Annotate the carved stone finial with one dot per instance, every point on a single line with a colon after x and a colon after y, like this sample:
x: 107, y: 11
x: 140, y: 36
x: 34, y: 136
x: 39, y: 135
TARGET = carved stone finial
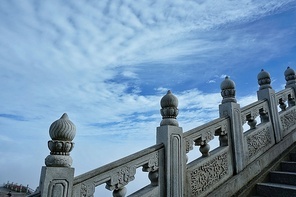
x: 169, y: 109
x: 264, y: 80
x: 290, y: 76
x: 62, y: 132
x: 228, y: 90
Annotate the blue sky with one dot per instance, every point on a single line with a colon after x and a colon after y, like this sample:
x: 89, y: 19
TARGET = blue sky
x: 108, y: 63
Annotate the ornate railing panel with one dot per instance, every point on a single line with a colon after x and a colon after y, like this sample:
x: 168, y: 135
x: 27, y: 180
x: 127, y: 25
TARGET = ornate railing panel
x: 288, y: 120
x: 258, y: 141
x: 259, y: 137
x: 119, y: 173
x: 202, y: 135
x: 236, y: 157
x: 206, y: 173
x: 250, y: 112
x: 285, y: 96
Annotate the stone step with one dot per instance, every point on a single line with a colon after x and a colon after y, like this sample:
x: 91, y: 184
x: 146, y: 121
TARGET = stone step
x: 288, y: 178
x: 288, y: 166
x: 293, y: 157
x: 275, y: 190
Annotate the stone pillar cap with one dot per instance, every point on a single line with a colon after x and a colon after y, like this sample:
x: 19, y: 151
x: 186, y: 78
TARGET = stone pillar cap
x: 227, y: 83
x: 62, y: 129
x: 169, y: 109
x: 228, y: 90
x: 264, y: 80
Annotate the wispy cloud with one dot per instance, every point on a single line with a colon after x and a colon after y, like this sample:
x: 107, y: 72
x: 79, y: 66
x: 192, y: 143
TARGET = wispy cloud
x: 13, y: 117
x: 108, y: 63
x: 4, y: 138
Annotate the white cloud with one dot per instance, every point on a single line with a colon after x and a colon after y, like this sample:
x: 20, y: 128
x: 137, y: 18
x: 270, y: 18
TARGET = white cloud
x: 5, y: 138
x: 247, y: 100
x: 95, y: 61
x: 223, y: 76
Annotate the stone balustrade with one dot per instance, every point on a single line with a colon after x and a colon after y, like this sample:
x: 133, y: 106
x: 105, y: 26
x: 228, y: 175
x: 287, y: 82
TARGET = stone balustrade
x: 119, y: 173
x: 240, y: 156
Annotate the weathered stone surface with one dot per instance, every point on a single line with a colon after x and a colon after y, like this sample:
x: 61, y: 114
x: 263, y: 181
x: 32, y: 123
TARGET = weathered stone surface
x: 239, y: 158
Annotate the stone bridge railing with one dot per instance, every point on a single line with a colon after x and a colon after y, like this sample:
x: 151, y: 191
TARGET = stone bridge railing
x: 223, y: 171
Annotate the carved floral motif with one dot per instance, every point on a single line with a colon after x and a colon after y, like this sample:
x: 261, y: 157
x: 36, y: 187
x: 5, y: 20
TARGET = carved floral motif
x: 121, y: 178
x: 152, y: 164
x: 205, y: 138
x: 258, y: 140
x: 208, y: 136
x: 189, y: 144
x: 288, y: 119
x: 208, y: 174
x: 83, y: 190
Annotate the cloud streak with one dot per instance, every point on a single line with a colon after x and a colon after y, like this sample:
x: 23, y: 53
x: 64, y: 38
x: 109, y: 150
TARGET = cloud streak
x: 108, y: 63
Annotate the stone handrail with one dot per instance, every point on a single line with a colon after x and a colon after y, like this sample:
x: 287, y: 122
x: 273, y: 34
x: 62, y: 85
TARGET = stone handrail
x: 287, y: 113
x: 119, y: 173
x: 283, y: 96
x: 225, y: 169
x: 197, y: 178
x: 202, y: 135
x: 250, y: 112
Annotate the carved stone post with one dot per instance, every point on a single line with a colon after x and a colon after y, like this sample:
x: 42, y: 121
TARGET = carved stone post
x: 57, y: 176
x: 290, y: 78
x: 266, y: 92
x: 169, y: 133
x: 291, y: 83
x: 229, y: 107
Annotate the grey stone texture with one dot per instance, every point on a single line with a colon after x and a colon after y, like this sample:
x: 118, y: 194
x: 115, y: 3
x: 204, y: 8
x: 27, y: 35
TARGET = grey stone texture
x: 232, y: 168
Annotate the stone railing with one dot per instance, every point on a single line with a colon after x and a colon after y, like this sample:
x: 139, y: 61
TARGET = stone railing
x: 222, y: 171
x: 119, y: 173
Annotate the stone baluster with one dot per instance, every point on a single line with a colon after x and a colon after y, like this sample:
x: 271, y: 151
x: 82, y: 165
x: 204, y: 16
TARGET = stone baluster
x: 171, y: 175
x: 121, y: 192
x: 223, y: 140
x: 231, y: 108
x: 282, y: 104
x: 263, y: 116
x: 291, y: 101
x: 266, y: 92
x: 290, y: 83
x: 57, y: 176
x: 252, y: 122
x: 152, y: 168
x: 153, y: 177
x: 205, y: 149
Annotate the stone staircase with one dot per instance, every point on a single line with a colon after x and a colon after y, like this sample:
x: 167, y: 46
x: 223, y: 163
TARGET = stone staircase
x: 281, y: 182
